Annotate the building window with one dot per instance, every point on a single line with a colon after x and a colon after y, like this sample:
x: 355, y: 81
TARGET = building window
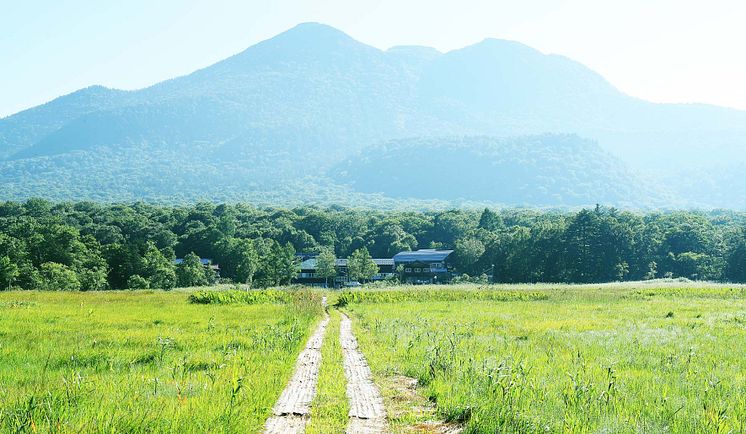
x: 407, y: 270
x: 416, y: 270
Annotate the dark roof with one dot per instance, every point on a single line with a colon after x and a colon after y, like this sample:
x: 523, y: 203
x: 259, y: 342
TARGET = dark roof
x: 310, y: 264
x: 422, y: 255
x: 204, y: 261
x: 305, y: 255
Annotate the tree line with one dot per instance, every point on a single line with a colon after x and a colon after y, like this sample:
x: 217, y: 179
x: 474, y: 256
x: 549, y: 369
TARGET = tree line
x: 92, y: 246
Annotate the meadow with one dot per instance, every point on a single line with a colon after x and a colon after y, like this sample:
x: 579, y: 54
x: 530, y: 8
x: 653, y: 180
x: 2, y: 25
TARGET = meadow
x: 145, y: 361
x: 595, y: 358
x: 615, y: 358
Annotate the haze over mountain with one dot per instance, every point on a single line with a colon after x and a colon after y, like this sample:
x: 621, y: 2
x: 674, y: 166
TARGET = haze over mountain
x: 276, y: 123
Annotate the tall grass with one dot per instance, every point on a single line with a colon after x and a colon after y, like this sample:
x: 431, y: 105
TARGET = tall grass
x: 433, y: 294
x: 141, y: 361
x: 303, y: 296
x: 599, y: 362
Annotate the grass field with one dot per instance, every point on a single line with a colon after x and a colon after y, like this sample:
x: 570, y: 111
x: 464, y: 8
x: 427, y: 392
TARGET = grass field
x: 608, y: 358
x: 661, y: 357
x: 144, y: 361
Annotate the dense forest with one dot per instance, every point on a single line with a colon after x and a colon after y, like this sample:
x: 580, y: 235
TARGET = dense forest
x: 88, y: 246
x: 540, y: 170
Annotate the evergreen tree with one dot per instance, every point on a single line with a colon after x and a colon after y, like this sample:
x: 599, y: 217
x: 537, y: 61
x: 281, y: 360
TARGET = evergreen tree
x: 490, y: 220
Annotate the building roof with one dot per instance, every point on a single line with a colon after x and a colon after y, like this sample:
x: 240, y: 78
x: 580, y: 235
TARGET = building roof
x: 310, y: 264
x: 422, y: 255
x: 204, y: 261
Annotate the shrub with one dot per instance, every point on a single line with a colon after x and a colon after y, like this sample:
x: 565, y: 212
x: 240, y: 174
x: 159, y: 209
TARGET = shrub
x: 137, y: 282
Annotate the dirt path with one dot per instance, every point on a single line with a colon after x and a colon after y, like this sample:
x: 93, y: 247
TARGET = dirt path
x: 292, y: 410
x: 367, y: 413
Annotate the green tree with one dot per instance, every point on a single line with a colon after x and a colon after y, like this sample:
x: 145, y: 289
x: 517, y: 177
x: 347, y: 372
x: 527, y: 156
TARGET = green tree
x: 326, y: 265
x: 490, y: 220
x: 238, y: 259
x: 93, y: 278
x: 392, y: 239
x: 191, y: 272
x: 277, y: 263
x: 736, y: 266
x: 158, y: 269
x: 468, y: 252
x: 58, y: 277
x: 8, y: 272
x: 360, y: 265
x: 286, y: 266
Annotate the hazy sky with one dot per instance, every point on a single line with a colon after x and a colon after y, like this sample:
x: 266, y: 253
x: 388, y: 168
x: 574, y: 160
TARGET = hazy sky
x: 660, y: 50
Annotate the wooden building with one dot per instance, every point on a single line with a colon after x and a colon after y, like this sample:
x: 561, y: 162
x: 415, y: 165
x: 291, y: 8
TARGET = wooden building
x: 308, y: 275
x: 425, y: 266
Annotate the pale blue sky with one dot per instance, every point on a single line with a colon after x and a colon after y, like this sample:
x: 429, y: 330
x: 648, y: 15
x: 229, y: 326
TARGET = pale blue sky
x: 661, y: 50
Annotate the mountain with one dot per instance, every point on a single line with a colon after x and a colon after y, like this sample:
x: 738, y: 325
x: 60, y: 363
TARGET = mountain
x: 532, y: 170
x: 277, y: 118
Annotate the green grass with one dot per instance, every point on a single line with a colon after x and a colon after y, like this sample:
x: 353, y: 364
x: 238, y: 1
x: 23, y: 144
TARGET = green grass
x: 144, y: 361
x: 436, y: 293
x: 601, y: 358
x: 250, y: 296
x: 330, y: 407
x: 661, y: 356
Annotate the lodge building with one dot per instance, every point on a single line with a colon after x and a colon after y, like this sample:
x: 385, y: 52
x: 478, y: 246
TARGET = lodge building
x: 425, y: 266
x: 418, y: 267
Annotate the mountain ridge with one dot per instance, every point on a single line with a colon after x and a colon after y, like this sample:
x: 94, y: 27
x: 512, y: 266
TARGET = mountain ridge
x: 314, y: 91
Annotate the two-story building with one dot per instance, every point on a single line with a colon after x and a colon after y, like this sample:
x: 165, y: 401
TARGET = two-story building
x: 425, y: 266
x: 309, y: 276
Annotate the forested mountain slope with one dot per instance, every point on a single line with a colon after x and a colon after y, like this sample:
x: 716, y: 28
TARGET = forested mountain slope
x: 288, y: 109
x: 531, y: 170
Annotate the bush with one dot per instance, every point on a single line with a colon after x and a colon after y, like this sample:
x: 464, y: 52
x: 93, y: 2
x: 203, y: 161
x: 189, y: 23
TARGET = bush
x: 137, y: 282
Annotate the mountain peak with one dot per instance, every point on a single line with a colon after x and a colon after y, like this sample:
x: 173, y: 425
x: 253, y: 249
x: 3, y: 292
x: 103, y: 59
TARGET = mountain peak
x: 313, y: 26
x: 312, y: 33
x: 302, y: 43
x: 504, y: 46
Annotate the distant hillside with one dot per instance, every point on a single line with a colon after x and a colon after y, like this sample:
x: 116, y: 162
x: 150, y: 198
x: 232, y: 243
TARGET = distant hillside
x: 294, y: 106
x: 535, y: 170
